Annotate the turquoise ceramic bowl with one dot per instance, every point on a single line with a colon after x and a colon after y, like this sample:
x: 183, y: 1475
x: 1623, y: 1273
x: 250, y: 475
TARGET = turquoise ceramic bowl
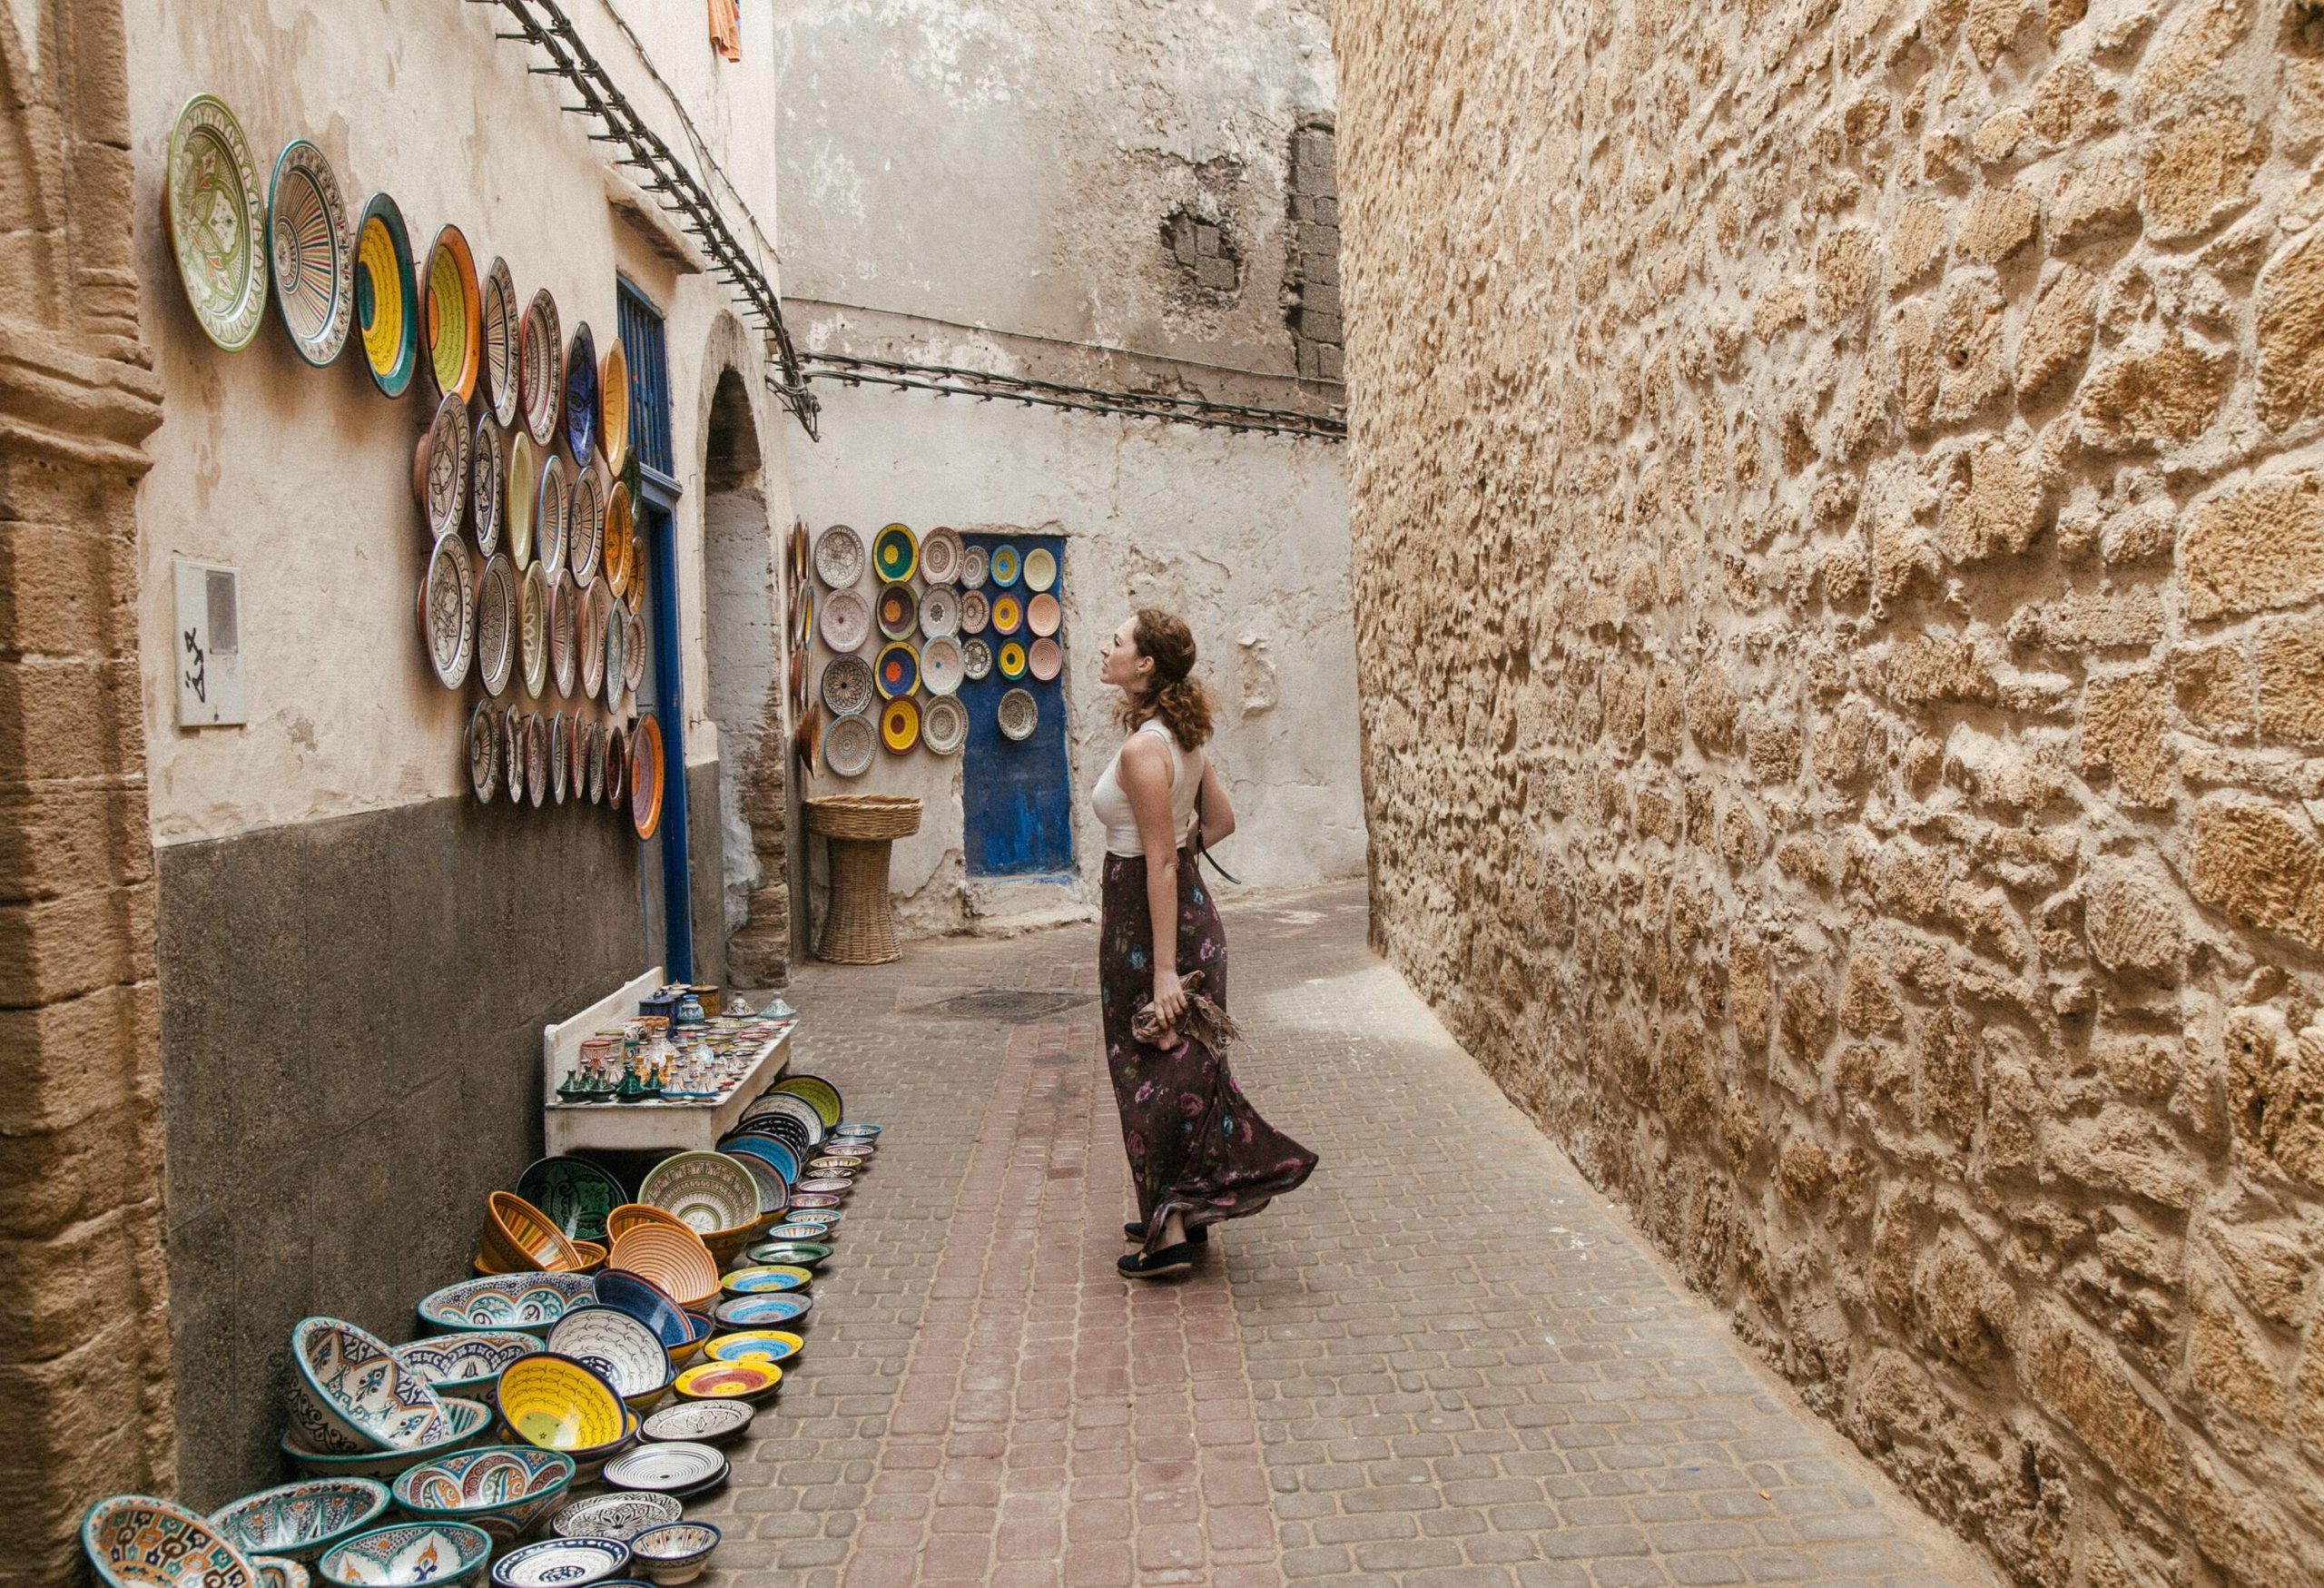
x: 469, y: 1422
x: 408, y: 1552
x: 795, y: 1254
x: 527, y: 1302
x: 467, y: 1364
x: 299, y: 1521
x: 135, y: 1541
x: 501, y: 1488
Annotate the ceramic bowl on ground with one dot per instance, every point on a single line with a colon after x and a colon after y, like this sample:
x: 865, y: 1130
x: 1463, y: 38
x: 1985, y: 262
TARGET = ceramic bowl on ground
x: 501, y: 1488
x: 776, y: 1155
x: 840, y: 1163
x: 567, y: 1562
x: 558, y: 1404
x: 529, y: 1302
x: 646, y: 1302
x: 674, y: 1260
x: 823, y: 1219
x: 678, y: 1467
x: 857, y: 1127
x: 279, y: 1571
x: 755, y: 1346
x: 713, y: 1381
x: 629, y: 1353
x: 699, y: 1422
x: 675, y: 1554
x: 592, y: 1253
x: 575, y: 1192
x: 825, y: 1185
x: 467, y: 1364
x: 791, y: 1254
x: 766, y: 1277
x: 781, y: 1309
x: 590, y: 1462
x: 709, y: 1190
x: 299, y: 1521
x: 135, y: 1541
x: 793, y: 1229
x: 775, y: 1191
x: 468, y: 1420
x: 617, y: 1515
x: 349, y: 1394
x: 811, y: 1202
x: 703, y: 1325
x: 629, y: 1216
x: 519, y: 1238
x: 406, y: 1553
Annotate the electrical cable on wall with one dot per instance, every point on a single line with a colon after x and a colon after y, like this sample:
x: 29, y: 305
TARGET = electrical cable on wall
x: 951, y: 380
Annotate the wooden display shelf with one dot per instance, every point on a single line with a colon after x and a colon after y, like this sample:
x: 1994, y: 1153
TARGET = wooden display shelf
x: 654, y: 1127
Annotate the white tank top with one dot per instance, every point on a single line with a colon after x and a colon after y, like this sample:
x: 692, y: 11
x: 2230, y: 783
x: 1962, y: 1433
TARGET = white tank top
x: 1113, y: 806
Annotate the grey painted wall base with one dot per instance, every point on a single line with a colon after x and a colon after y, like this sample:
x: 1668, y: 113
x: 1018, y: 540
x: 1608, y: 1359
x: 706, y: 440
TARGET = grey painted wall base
x: 350, y: 1033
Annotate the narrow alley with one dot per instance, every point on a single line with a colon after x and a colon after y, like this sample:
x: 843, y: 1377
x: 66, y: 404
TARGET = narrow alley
x: 1444, y: 1361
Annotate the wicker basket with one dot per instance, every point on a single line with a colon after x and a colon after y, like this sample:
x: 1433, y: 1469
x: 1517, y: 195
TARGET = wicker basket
x: 887, y: 816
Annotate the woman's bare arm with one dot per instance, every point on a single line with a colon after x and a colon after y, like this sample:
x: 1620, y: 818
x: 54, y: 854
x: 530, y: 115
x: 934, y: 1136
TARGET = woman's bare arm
x: 1145, y: 774
x: 1210, y: 804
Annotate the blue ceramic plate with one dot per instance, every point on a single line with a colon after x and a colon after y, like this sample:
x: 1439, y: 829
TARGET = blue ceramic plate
x: 767, y: 1150
x: 755, y: 1312
x: 780, y: 1309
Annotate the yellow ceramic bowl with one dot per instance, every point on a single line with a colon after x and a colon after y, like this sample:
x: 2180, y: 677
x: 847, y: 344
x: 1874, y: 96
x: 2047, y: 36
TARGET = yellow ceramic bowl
x: 558, y: 1404
x: 729, y: 1381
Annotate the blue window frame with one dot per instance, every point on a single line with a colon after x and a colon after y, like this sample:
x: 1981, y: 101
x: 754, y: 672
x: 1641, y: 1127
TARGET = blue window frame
x: 648, y: 355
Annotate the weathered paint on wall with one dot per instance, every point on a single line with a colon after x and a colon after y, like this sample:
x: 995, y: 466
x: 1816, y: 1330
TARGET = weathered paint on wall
x: 302, y: 478
x: 1838, y: 572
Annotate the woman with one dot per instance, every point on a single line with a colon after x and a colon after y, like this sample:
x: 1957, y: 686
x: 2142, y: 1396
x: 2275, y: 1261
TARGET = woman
x: 1197, y: 1150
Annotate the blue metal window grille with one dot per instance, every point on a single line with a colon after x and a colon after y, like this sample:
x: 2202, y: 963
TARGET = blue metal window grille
x: 648, y: 355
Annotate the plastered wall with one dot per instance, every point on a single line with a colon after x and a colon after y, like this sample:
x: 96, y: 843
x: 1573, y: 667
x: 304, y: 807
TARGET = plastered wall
x: 1838, y: 574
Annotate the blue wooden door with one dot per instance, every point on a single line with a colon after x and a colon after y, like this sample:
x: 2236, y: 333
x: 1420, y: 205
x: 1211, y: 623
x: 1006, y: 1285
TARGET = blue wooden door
x: 1017, y: 798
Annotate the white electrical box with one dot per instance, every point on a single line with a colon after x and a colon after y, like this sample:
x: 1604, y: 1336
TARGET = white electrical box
x: 208, y: 641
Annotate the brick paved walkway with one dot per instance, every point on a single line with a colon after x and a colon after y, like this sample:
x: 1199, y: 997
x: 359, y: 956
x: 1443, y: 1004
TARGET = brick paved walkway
x: 1444, y: 1361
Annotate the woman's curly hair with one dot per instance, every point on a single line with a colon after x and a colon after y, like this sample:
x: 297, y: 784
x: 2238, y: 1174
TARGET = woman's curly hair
x: 1176, y: 696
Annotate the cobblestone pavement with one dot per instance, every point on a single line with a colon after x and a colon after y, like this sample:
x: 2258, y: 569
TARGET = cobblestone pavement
x: 1444, y: 1361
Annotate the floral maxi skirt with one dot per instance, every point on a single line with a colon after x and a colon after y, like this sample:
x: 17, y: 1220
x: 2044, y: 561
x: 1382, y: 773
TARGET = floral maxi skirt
x: 1197, y: 1147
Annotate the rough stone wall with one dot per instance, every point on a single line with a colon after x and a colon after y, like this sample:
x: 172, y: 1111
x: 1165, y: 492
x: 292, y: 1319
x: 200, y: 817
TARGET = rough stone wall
x: 1840, y: 552
x: 1313, y: 271
x: 85, y: 1360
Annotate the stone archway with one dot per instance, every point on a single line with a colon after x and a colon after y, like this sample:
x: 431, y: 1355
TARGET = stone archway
x: 742, y: 581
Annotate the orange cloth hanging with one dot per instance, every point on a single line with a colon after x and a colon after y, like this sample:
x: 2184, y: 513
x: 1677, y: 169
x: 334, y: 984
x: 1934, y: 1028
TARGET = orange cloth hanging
x: 726, y: 28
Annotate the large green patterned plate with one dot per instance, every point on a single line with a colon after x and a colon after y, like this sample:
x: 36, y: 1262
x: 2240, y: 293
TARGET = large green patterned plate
x: 216, y: 213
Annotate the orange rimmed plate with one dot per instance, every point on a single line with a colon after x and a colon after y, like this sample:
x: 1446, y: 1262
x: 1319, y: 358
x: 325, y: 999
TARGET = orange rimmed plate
x: 645, y: 784
x: 749, y: 1380
x: 453, y: 304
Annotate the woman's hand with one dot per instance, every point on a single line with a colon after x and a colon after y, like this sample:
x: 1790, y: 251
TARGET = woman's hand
x: 1169, y: 997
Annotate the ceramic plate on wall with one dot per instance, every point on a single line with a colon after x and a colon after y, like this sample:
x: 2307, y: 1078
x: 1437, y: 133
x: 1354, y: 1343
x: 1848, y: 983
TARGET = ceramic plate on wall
x: 616, y: 763
x: 439, y: 468
x: 616, y: 660
x: 846, y: 621
x: 448, y: 610
x: 848, y: 746
x: 495, y: 626
x: 944, y: 726
x: 802, y: 616
x: 1010, y: 658
x: 974, y: 565
x: 1019, y: 715
x: 518, y: 512
x: 532, y: 630
x: 217, y: 222
x: 1044, y: 614
x: 581, y: 393
x: 310, y: 249
x: 589, y: 515
x: 839, y: 557
x: 387, y: 316
x: 1045, y: 660
x: 536, y: 748
x: 596, y: 763
x: 940, y: 665
x: 497, y: 372
x: 899, y: 613
x: 897, y: 672
x: 596, y: 609
x: 632, y: 648
x: 645, y: 782
x: 619, y: 527
x: 1040, y: 568
x: 540, y: 367
x: 508, y: 732
x: 613, y: 407
x: 453, y: 309
x: 560, y: 755
x: 900, y: 726
x: 895, y: 554
x: 484, y: 756
x: 487, y: 485
x: 552, y: 514
x: 976, y: 658
x: 940, y: 611
x: 1004, y: 566
x: 846, y: 685
x: 1008, y: 615
x: 564, y: 632
x: 939, y: 557
x: 976, y: 611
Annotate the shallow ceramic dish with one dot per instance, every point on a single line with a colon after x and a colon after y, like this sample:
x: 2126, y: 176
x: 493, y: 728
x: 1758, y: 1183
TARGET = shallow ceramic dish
x: 839, y: 557
x: 447, y: 610
x: 709, y: 1190
x: 1045, y: 660
x: 529, y: 1301
x: 761, y: 1311
x: 501, y: 1488
x: 675, y: 1554
x: 974, y: 565
x: 216, y: 216
x: 135, y: 1541
x: 468, y: 1363
x: 849, y: 745
x: 646, y: 774
x: 700, y: 1422
x: 976, y: 659
x: 749, y: 1381
x: 487, y: 485
x: 818, y: 1094
x: 766, y: 1149
x: 387, y: 312
x: 575, y: 1193
x: 555, y: 1403
x: 591, y: 1460
x: 567, y: 1563
x: 845, y: 621
x: 1040, y: 568
x: 469, y: 1422
x: 440, y: 466
x: 775, y: 1191
x: 942, y: 669
x: 522, y: 503
x: 895, y: 554
x: 349, y: 1392
x: 1019, y: 715
x: 540, y: 367
x: 899, y: 616
x: 626, y: 1351
x: 755, y: 1346
x: 857, y: 1127
x: 846, y: 685
x: 812, y: 1201
x: 820, y: 1218
x: 674, y: 1260
x: 940, y: 612
x: 279, y: 1571
x: 499, y: 372
x: 827, y: 1186
x: 840, y: 1163
x: 766, y: 1279
x: 940, y: 556
x: 679, y: 1467
x: 646, y: 1302
x: 453, y: 305
x: 495, y: 626
x: 311, y: 249
x: 1043, y: 615
x: 581, y: 393
x: 408, y: 1552
x: 621, y: 1516
x: 976, y: 612
x: 613, y: 407
x: 798, y: 1252
x: 1003, y: 569
x: 299, y: 1521
x: 790, y: 1105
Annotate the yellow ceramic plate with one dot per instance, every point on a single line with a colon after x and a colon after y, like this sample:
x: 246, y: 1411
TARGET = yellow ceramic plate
x: 767, y: 1277
x: 763, y: 1345
x: 557, y: 1403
